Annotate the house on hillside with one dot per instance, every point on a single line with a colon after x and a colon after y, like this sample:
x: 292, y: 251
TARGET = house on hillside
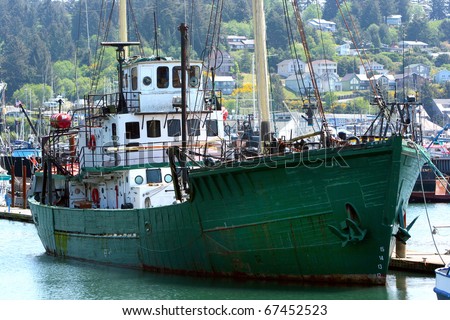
x: 354, y: 82
x: 226, y: 84
x: 291, y: 66
x: 384, y: 81
x: 225, y: 63
x: 372, y: 67
x: 329, y: 82
x: 302, y: 83
x: 442, y: 76
x: 249, y: 44
x: 411, y: 81
x: 394, y: 20
x: 412, y: 45
x: 240, y: 43
x: 345, y: 50
x: 321, y: 24
x: 441, y: 109
x: 321, y: 67
x: 418, y: 68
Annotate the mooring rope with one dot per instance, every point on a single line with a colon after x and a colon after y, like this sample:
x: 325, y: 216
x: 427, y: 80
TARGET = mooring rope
x: 436, y: 172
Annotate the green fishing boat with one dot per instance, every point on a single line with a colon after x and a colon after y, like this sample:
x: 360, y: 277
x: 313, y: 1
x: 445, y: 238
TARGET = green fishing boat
x: 151, y: 181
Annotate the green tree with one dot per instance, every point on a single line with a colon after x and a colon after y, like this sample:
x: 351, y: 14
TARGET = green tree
x: 346, y: 65
x: 330, y: 10
x: 313, y: 11
x: 441, y: 60
x: 371, y: 14
x: 438, y: 9
x: 373, y: 36
x: 403, y: 7
x: 277, y: 92
x: 444, y: 30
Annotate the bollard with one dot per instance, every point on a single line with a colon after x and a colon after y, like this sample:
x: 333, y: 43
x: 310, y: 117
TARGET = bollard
x: 400, y: 249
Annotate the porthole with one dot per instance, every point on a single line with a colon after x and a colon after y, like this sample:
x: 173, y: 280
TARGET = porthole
x: 139, y: 179
x: 167, y: 178
x: 147, y: 81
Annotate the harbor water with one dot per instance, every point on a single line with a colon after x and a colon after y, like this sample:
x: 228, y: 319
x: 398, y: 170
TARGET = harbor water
x: 27, y: 273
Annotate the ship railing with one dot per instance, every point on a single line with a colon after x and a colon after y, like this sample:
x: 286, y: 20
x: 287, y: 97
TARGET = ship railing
x: 112, y: 156
x: 96, y: 105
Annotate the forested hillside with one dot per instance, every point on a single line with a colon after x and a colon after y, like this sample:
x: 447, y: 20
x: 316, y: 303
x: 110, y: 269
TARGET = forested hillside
x: 41, y: 41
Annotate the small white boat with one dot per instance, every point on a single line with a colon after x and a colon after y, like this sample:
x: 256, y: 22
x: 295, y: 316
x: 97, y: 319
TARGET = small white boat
x: 442, y: 287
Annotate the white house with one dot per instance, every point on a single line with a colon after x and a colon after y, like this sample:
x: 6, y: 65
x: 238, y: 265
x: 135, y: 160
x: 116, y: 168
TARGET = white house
x: 385, y: 81
x: 442, y: 76
x: 321, y: 67
x: 291, y: 66
x: 325, y: 82
x: 372, y: 67
x: 321, y: 24
x: 394, y: 20
x: 345, y: 50
x: 412, y: 45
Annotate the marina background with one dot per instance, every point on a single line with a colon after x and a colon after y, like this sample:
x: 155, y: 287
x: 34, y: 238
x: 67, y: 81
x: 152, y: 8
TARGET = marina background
x: 27, y: 273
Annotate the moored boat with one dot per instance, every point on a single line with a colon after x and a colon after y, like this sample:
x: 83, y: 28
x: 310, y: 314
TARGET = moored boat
x: 151, y: 181
x: 442, y: 288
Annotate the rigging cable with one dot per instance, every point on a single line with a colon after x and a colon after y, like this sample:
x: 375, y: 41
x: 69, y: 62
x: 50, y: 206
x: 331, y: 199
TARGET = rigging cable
x: 423, y: 192
x: 136, y: 30
x: 380, y: 102
x: 325, y: 129
x: 98, y: 61
x: 297, y: 68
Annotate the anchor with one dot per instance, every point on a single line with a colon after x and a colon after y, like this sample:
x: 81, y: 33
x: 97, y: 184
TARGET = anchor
x: 350, y: 231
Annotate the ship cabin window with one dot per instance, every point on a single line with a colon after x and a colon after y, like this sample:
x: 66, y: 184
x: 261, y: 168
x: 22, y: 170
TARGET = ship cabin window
x: 162, y: 74
x: 194, y: 76
x: 153, y: 129
x: 193, y: 127
x: 211, y: 128
x: 125, y: 81
x: 174, y: 127
x: 132, y: 130
x: 154, y: 176
x: 134, y: 79
x: 176, y: 77
x: 147, y: 81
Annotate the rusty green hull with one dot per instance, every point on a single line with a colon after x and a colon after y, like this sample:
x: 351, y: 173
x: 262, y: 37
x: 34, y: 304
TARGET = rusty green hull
x: 326, y: 215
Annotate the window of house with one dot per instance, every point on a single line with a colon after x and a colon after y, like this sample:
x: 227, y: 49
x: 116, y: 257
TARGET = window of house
x: 153, y: 129
x: 174, y: 128
x: 132, y: 130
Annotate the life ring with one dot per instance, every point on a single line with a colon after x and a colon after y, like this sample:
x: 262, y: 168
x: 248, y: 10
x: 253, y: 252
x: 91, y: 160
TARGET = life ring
x: 95, y: 196
x: 92, y: 143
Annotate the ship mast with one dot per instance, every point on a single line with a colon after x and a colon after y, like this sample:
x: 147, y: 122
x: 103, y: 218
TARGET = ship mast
x: 123, y: 27
x: 262, y: 74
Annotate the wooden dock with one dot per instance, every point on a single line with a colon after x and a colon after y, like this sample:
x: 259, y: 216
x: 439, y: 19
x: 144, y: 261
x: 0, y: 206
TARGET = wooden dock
x: 16, y: 214
x: 419, y: 262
